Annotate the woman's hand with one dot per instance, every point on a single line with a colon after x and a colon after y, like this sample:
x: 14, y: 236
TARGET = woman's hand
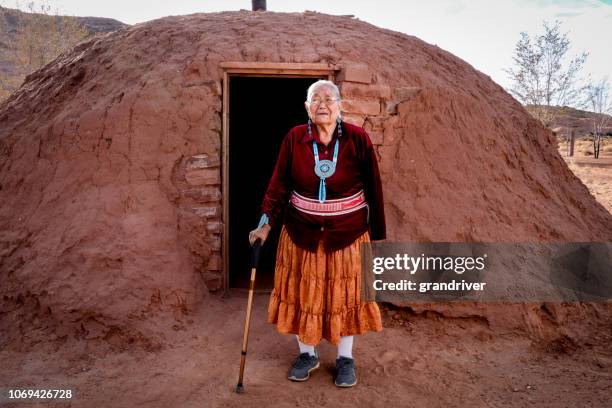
x: 261, y: 233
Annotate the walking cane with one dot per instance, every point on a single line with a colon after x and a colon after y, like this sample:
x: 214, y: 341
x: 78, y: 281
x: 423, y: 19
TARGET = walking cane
x: 245, y: 337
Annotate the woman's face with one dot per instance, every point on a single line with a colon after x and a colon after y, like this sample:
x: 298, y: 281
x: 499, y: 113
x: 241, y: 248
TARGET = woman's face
x: 323, y: 107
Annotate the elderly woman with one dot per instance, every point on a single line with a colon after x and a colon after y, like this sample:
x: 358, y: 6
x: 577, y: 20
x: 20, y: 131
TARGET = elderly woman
x: 326, y: 183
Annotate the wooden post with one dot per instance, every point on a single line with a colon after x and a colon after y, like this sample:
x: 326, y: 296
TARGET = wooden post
x: 570, y: 145
x: 259, y: 5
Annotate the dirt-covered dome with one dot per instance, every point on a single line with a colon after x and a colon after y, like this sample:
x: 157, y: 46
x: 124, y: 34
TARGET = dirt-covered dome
x: 111, y: 159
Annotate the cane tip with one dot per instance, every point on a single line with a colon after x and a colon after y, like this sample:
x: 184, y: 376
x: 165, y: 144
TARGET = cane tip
x: 239, y: 389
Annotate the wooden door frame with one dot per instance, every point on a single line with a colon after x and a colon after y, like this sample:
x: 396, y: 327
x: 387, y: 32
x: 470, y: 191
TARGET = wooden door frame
x: 254, y: 69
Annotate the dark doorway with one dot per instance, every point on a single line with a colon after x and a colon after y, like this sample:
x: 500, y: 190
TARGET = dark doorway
x: 261, y: 112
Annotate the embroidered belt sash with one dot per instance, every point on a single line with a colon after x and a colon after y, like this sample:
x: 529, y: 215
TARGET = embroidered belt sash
x: 329, y: 207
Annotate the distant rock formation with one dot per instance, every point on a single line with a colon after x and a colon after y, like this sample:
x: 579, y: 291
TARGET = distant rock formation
x: 11, y: 19
x: 579, y: 121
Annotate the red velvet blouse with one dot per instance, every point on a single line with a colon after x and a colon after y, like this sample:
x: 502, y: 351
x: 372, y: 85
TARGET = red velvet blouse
x: 356, y: 169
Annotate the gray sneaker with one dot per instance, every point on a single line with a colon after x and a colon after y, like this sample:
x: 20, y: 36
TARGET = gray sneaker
x: 345, y: 372
x: 302, y: 366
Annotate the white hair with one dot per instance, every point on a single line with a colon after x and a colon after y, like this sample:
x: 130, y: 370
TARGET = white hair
x: 322, y: 83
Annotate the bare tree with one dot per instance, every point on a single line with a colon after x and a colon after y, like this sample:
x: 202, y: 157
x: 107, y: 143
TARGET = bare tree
x: 541, y: 78
x: 598, y: 98
x: 41, y: 35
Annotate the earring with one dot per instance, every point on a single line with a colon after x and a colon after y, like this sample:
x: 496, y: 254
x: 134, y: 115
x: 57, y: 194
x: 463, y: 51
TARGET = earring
x: 339, y: 121
x: 309, y: 127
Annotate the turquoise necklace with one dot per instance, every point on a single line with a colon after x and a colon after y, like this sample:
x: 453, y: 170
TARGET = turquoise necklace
x: 324, y: 168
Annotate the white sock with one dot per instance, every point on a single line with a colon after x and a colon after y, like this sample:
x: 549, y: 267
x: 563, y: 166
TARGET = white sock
x: 345, y: 347
x: 305, y: 348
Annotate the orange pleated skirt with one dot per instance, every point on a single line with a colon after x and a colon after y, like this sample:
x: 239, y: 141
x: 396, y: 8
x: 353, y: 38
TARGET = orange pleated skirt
x: 317, y: 295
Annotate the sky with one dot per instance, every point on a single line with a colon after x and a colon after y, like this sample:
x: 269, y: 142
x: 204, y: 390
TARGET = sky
x: 481, y: 32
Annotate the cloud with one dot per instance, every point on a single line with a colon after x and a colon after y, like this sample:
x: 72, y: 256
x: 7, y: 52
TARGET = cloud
x: 568, y: 14
x: 572, y: 4
x: 456, y: 8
